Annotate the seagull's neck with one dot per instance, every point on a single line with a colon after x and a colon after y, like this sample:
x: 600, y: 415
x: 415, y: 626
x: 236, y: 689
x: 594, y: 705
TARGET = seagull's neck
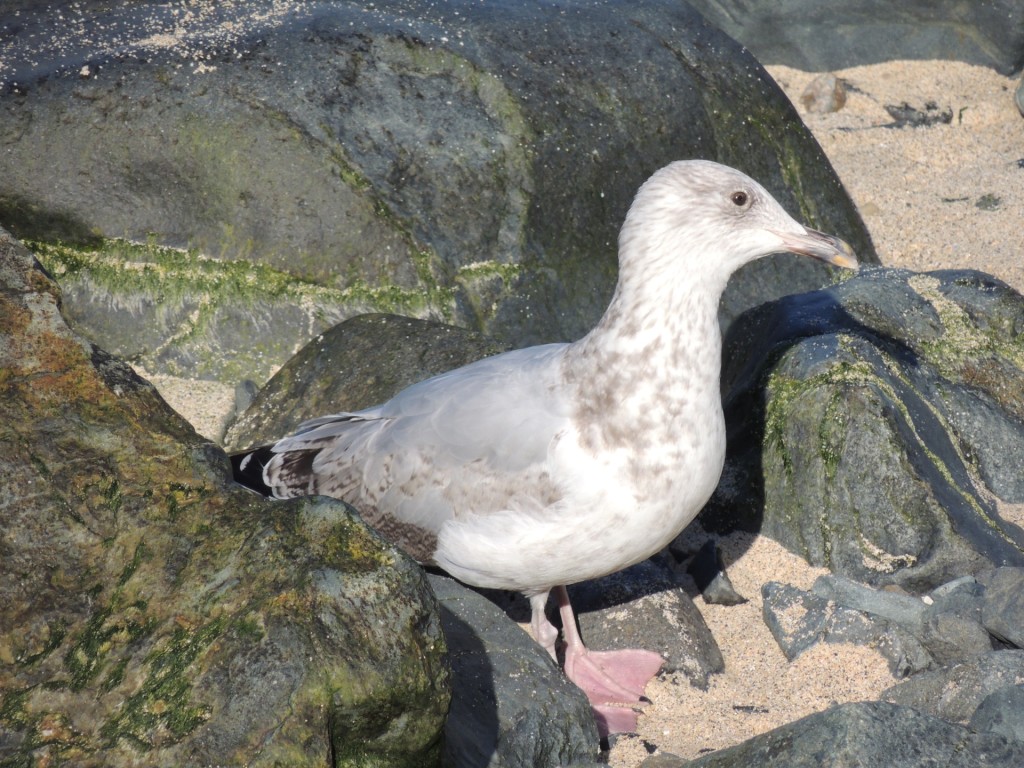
x: 656, y: 350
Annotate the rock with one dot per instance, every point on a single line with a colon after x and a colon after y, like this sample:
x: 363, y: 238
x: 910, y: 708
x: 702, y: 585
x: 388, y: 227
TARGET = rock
x: 868, y: 735
x: 511, y: 706
x: 952, y: 630
x: 872, y: 423
x: 954, y: 693
x: 358, y: 363
x: 798, y: 620
x: 1002, y: 611
x: 1002, y: 713
x: 644, y: 607
x: 449, y: 161
x: 816, y: 38
x: 708, y: 573
x: 900, y: 609
x: 152, y: 612
x: 951, y: 639
x: 961, y: 597
x: 825, y: 93
x: 911, y: 633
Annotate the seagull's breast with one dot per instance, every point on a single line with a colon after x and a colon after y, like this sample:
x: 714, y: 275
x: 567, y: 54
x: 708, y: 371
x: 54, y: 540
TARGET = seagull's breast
x: 609, y: 507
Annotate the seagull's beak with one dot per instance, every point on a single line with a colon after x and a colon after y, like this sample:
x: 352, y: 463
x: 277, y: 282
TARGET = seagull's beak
x: 827, y: 248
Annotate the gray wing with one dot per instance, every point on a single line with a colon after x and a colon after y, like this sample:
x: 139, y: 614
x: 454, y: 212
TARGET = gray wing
x: 470, y: 440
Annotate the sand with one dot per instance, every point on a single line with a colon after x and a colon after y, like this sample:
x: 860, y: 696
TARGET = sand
x: 919, y: 189
x: 937, y: 197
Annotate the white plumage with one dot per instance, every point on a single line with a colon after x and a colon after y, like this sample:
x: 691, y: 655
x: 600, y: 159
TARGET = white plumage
x: 554, y: 464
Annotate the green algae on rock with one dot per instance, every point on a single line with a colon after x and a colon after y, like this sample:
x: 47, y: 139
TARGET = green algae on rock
x: 155, y: 614
x: 390, y: 151
x: 191, y: 315
x: 866, y: 437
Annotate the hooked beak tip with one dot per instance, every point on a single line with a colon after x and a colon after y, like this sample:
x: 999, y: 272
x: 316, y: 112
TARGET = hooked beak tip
x: 821, y: 246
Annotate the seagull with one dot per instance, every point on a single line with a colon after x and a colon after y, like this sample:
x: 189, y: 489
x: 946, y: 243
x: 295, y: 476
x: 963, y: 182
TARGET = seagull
x: 546, y: 466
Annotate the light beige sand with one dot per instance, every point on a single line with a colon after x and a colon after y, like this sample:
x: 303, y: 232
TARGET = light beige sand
x: 759, y: 689
x: 918, y: 190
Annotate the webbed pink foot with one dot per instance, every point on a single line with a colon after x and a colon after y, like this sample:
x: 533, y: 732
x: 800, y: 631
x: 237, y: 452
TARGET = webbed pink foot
x: 614, y: 682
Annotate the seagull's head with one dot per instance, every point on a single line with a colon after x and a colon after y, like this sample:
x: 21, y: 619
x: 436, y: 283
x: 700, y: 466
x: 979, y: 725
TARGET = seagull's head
x: 702, y: 218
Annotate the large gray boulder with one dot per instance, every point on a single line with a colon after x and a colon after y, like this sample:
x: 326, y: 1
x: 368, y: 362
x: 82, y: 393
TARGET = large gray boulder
x: 460, y: 161
x: 151, y: 613
x: 819, y: 36
x: 876, y: 425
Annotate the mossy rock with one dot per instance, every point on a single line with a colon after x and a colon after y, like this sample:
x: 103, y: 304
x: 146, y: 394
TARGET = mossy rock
x: 876, y: 427
x: 454, y: 162
x: 155, y: 614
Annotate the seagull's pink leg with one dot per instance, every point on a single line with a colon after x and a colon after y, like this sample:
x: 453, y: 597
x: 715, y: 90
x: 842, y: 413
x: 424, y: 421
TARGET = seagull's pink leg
x: 612, y: 680
x: 543, y: 630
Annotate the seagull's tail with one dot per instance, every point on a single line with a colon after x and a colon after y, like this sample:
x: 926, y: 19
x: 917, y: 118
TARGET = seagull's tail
x: 247, y: 468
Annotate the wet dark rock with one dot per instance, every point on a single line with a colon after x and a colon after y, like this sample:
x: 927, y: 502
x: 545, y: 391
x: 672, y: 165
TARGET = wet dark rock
x: 868, y: 735
x: 816, y: 37
x: 152, y: 612
x: 1001, y: 713
x: 644, y: 606
x: 1003, y: 608
x: 356, y: 364
x: 511, y: 706
x: 954, y: 693
x: 446, y: 160
x: 872, y: 423
x: 707, y: 570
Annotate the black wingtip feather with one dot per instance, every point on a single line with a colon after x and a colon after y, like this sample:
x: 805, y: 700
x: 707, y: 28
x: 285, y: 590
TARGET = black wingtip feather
x: 247, y: 468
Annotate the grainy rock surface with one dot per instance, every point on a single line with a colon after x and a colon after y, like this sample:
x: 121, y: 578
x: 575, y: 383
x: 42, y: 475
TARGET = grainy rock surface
x: 1002, y: 713
x: 868, y: 735
x: 1002, y: 612
x: 954, y: 693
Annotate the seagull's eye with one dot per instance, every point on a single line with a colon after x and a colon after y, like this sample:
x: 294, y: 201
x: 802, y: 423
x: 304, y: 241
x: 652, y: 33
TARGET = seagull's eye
x: 740, y: 198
